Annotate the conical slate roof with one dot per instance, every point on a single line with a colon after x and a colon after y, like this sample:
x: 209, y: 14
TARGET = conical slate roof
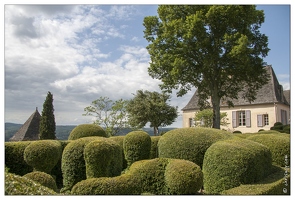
x: 29, y: 130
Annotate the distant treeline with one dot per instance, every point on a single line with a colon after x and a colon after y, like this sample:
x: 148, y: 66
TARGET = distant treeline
x: 63, y: 131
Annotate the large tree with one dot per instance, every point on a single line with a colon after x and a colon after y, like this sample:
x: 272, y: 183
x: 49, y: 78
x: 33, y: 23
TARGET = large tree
x: 47, y: 122
x: 218, y: 49
x: 151, y: 107
x: 109, y: 114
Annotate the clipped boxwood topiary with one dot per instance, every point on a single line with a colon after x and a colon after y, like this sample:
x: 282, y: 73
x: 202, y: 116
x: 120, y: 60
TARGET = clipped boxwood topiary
x: 86, y: 130
x: 18, y: 185
x: 279, y: 145
x: 119, y: 140
x: 189, y: 143
x: 154, y: 147
x: 42, y: 178
x: 137, y: 146
x: 147, y: 177
x: 43, y: 155
x: 14, y: 157
x: 103, y: 158
x: 73, y: 163
x: 183, y: 177
x: 230, y: 163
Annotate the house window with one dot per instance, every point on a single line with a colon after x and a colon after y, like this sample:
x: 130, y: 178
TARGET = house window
x: 262, y: 120
x: 191, y: 122
x: 284, y: 117
x: 241, y: 118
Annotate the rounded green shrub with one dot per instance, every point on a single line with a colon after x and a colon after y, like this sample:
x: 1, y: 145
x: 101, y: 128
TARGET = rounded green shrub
x: 189, y: 143
x: 154, y: 147
x: 86, y: 130
x: 18, y: 185
x: 103, y: 158
x: 183, y: 177
x: 233, y: 162
x: 137, y: 146
x: 42, y: 178
x: 73, y: 163
x: 14, y: 157
x: 119, y: 185
x: 156, y: 176
x: 119, y: 140
x: 279, y: 145
x: 43, y: 155
x: 286, y: 129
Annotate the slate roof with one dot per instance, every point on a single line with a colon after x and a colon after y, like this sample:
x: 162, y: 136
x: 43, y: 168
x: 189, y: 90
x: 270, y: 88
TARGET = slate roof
x: 29, y: 130
x: 272, y: 92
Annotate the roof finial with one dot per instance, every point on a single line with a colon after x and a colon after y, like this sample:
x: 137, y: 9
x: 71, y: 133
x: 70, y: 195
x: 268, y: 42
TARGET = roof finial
x: 36, y: 108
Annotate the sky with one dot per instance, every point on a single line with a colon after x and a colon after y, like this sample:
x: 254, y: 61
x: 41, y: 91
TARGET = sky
x: 82, y: 52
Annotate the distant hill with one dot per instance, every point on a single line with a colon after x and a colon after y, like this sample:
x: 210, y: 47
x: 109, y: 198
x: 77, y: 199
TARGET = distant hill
x: 63, y: 131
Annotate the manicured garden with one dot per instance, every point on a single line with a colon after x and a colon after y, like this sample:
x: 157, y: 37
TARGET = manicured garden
x: 182, y: 161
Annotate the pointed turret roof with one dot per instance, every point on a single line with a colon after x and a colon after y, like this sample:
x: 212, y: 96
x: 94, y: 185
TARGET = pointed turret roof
x: 29, y: 130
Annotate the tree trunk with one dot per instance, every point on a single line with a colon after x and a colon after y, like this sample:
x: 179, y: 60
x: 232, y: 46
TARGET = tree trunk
x: 216, y: 111
x: 156, y: 131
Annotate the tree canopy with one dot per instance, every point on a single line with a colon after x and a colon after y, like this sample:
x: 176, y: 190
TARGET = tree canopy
x: 109, y: 114
x: 47, y: 122
x: 151, y: 107
x: 217, y: 49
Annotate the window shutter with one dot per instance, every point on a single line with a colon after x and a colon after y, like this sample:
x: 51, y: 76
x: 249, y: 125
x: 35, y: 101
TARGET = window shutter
x: 234, y: 117
x: 248, y: 118
x: 259, y: 120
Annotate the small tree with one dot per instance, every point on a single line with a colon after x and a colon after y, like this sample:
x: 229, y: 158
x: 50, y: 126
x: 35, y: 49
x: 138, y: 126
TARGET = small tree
x: 205, y: 118
x: 109, y: 114
x: 47, y: 122
x: 150, y: 107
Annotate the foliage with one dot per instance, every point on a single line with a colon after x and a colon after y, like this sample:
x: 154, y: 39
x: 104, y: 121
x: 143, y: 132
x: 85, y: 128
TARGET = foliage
x: 73, y: 163
x: 189, y: 143
x: 151, y: 107
x: 43, y: 155
x: 215, y: 48
x: 109, y: 114
x: 14, y: 157
x: 154, y: 147
x: 18, y: 185
x: 239, y: 132
x: 274, y: 184
x: 86, y: 130
x: 103, y: 158
x: 136, y: 146
x: 42, y: 178
x: 156, y: 176
x: 119, y: 140
x: 205, y: 118
x: 47, y: 121
x: 230, y: 163
x: 278, y: 126
x: 279, y: 145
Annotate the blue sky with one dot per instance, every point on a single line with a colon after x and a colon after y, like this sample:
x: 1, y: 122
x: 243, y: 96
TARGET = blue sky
x: 82, y: 52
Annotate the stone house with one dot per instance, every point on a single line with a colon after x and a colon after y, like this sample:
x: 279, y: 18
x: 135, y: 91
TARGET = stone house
x: 272, y: 105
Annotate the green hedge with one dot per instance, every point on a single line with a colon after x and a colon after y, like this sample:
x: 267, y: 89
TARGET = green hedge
x: 103, y: 158
x: 137, y: 146
x: 86, y: 130
x: 43, y: 155
x: 42, y: 178
x: 73, y: 163
x: 154, y: 147
x: 183, y: 177
x: 230, y: 163
x: 189, y: 143
x: 278, y: 183
x: 14, y: 157
x: 157, y: 176
x: 120, y: 139
x: 18, y: 185
x: 279, y: 145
